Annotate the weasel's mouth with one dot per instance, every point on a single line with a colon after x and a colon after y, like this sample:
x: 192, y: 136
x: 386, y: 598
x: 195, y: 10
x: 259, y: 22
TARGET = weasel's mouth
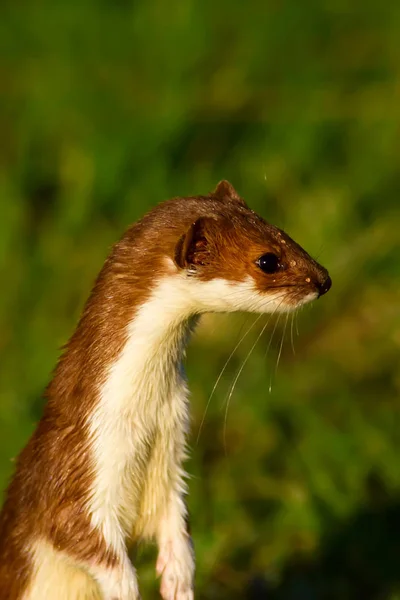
x: 284, y: 298
x: 318, y: 287
x: 299, y: 294
x: 304, y: 298
x: 290, y: 297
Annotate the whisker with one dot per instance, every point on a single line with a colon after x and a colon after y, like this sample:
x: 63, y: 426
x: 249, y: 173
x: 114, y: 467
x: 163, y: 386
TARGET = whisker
x: 320, y: 251
x: 232, y: 388
x: 281, y: 344
x: 239, y: 372
x: 283, y: 338
x: 291, y: 332
x: 282, y: 296
x: 272, y: 335
x: 223, y: 371
x: 268, y: 347
x: 297, y: 321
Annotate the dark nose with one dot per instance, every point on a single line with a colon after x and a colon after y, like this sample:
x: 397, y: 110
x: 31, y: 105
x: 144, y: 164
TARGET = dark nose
x: 325, y: 286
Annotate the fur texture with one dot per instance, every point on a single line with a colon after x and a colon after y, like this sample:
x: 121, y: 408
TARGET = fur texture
x: 103, y: 469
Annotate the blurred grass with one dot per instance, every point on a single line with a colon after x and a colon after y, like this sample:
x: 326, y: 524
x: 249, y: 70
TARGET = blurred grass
x: 110, y: 107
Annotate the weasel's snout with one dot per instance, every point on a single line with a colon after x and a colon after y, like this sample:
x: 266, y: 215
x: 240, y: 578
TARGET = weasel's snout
x: 324, y: 286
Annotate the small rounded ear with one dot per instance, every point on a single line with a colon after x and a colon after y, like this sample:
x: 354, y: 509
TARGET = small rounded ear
x: 193, y: 247
x: 226, y: 191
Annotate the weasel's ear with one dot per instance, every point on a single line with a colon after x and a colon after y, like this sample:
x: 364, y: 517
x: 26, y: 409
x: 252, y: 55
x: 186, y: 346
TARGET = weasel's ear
x: 193, y: 248
x: 226, y: 191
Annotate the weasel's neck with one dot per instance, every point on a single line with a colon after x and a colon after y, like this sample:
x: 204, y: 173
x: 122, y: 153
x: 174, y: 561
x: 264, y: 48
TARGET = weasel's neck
x: 141, y: 403
x: 148, y: 365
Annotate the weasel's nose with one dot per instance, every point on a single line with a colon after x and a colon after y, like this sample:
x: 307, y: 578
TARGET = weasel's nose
x: 325, y: 286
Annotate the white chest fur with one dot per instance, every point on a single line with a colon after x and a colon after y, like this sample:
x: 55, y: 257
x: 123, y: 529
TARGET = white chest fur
x: 139, y: 424
x: 143, y: 404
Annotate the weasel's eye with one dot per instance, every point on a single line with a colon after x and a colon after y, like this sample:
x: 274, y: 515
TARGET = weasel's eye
x: 269, y: 262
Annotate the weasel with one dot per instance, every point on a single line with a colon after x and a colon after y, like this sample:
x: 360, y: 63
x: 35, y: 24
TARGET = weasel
x: 103, y: 469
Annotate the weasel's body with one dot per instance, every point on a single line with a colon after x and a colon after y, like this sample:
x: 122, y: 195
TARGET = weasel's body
x: 104, y: 467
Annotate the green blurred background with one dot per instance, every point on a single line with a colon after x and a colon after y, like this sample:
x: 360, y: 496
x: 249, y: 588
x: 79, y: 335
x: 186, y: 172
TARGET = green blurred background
x: 110, y: 106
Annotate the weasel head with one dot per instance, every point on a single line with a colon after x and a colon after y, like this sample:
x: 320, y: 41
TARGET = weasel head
x: 232, y: 259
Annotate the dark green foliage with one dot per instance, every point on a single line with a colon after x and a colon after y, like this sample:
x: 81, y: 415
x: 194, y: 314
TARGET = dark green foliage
x: 109, y: 107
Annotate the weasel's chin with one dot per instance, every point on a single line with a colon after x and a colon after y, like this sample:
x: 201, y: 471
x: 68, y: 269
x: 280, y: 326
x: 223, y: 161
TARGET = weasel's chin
x: 289, y: 302
x: 300, y: 301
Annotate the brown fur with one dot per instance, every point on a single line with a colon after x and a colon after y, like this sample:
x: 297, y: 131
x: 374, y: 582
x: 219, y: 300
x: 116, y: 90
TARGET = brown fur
x: 212, y: 236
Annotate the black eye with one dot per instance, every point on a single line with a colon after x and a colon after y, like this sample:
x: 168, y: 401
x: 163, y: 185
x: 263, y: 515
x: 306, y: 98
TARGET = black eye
x: 269, y: 262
